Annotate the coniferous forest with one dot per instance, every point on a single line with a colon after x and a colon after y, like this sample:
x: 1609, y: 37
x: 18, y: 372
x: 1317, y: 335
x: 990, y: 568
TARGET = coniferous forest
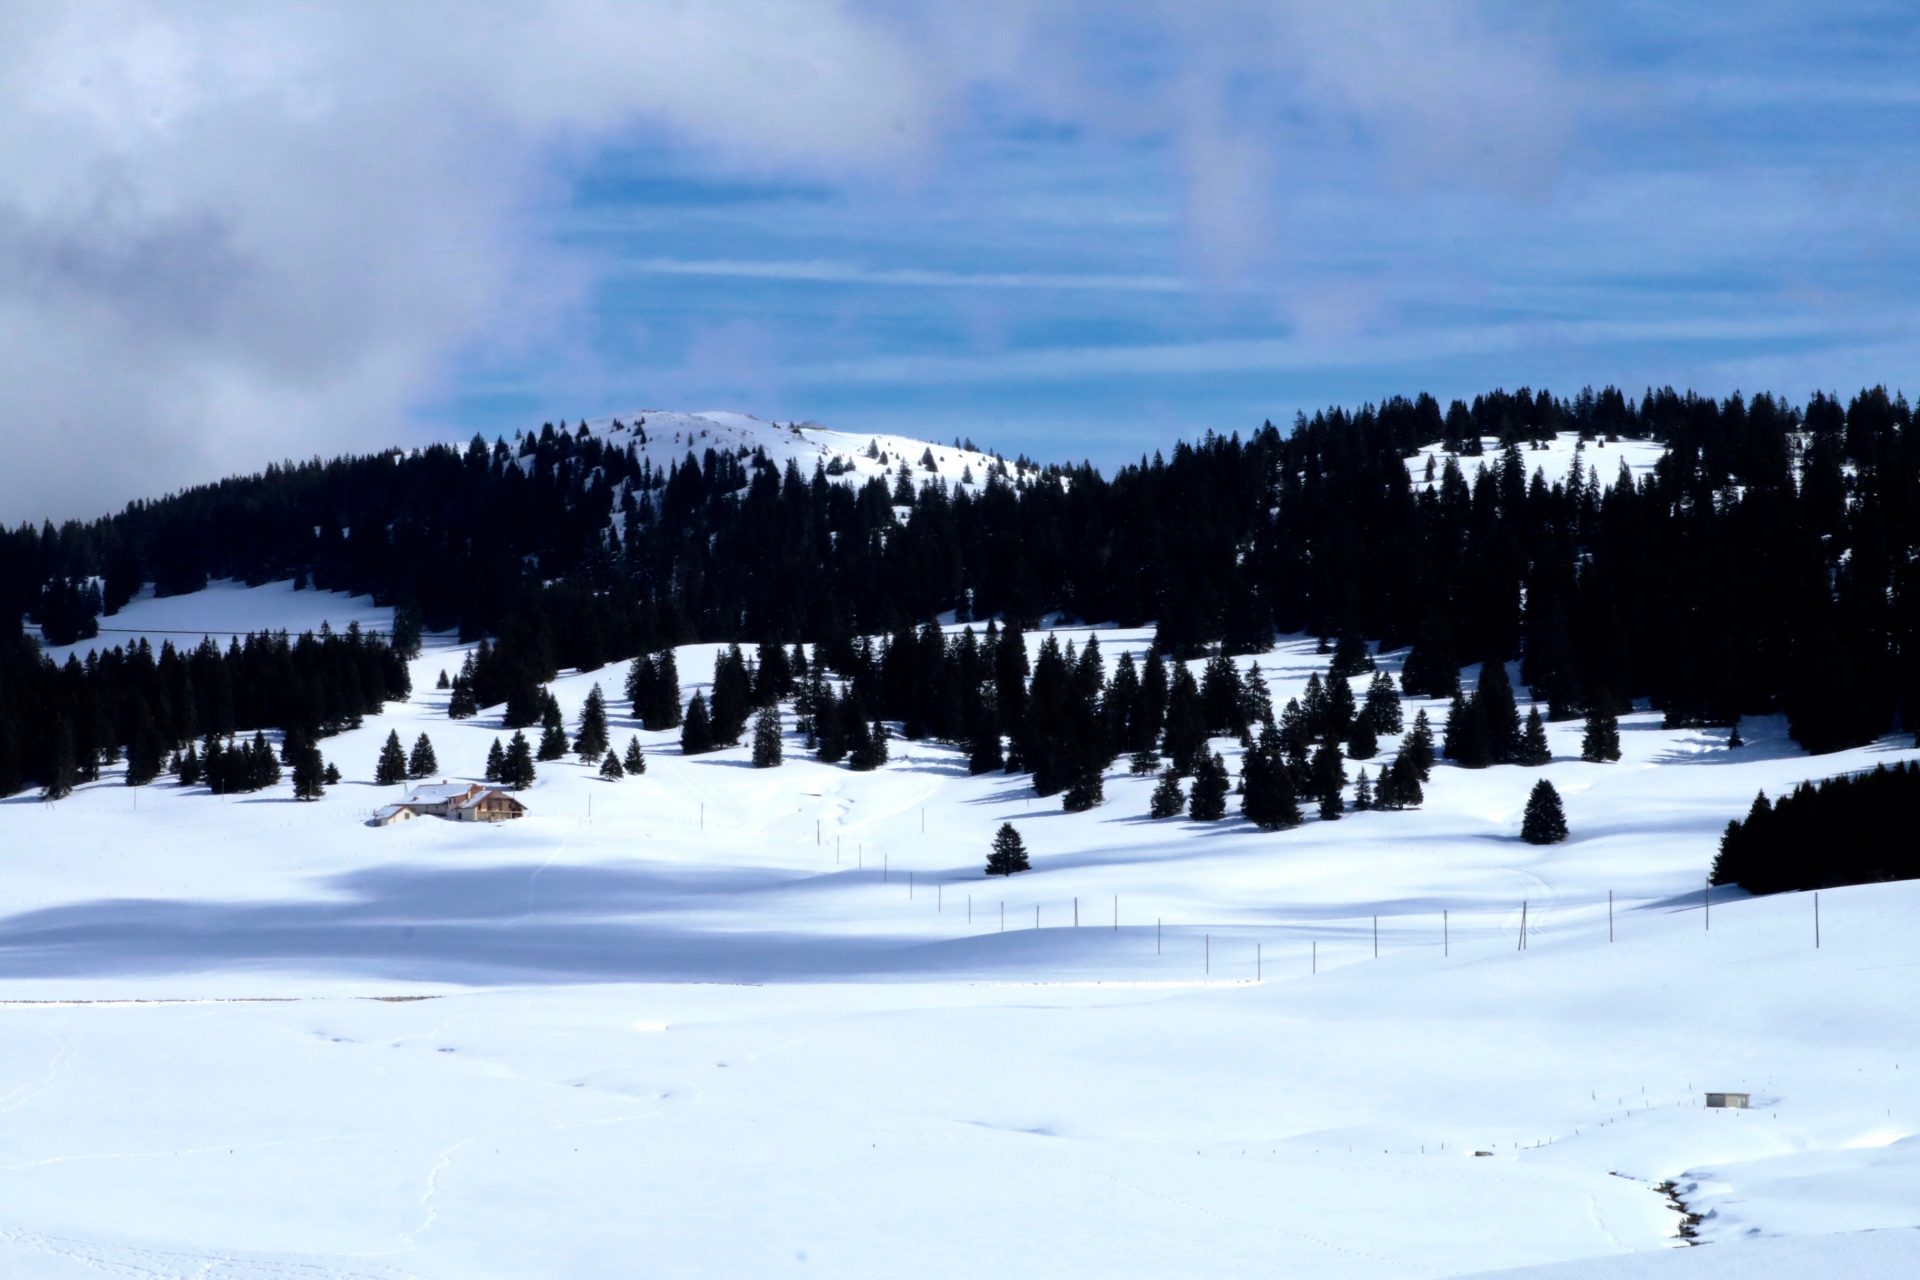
x: 1853, y: 829
x: 1765, y: 565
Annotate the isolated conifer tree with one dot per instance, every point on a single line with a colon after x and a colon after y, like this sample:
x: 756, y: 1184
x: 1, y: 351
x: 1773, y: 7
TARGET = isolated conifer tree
x: 1208, y: 800
x: 423, y: 763
x: 518, y: 772
x: 1363, y: 793
x: 331, y: 776
x: 496, y: 763
x: 1008, y: 853
x: 1382, y: 709
x: 636, y: 760
x: 392, y: 766
x: 1600, y: 742
x: 553, y: 743
x: 1167, y: 801
x: 766, y: 739
x: 1404, y: 775
x: 1534, y: 751
x: 1544, y: 822
x: 591, y: 743
x: 611, y: 768
x: 1419, y: 746
x: 1734, y: 740
x: 309, y: 773
x: 696, y: 732
x: 443, y: 682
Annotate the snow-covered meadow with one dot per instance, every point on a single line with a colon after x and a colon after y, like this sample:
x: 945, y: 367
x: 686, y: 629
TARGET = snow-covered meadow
x: 721, y: 1021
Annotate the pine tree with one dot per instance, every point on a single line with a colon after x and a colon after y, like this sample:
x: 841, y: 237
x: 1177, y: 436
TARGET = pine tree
x: 423, y: 763
x: 443, y: 682
x: 1600, y: 742
x: 1734, y: 740
x: 1419, y: 746
x: 496, y: 763
x: 309, y: 773
x: 1208, y: 800
x: 1329, y: 774
x: 1534, y: 751
x: 1267, y: 794
x: 1361, y: 744
x: 1184, y: 741
x: 518, y: 772
x: 636, y: 761
x: 61, y: 768
x: 696, y: 732
x: 1144, y: 763
x: 1350, y: 657
x: 1088, y: 790
x: 611, y: 769
x: 1008, y: 854
x: 553, y: 743
x: 1363, y: 793
x: 332, y: 775
x: 1382, y: 709
x: 1167, y: 800
x: 591, y: 743
x: 392, y: 766
x: 1498, y: 714
x: 1545, y: 822
x: 766, y: 739
x: 189, y: 770
x: 984, y: 753
x: 1340, y: 709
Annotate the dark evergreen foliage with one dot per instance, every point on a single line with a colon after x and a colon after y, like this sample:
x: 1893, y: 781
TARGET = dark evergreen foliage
x: 591, y: 742
x: 1008, y: 853
x: 1853, y: 829
x: 1545, y: 821
x: 1207, y: 802
x: 696, y: 732
x: 636, y: 759
x: 1167, y: 800
x: 1533, y: 750
x: 611, y: 768
x: 392, y: 765
x: 422, y: 762
x: 1601, y: 741
x: 766, y: 739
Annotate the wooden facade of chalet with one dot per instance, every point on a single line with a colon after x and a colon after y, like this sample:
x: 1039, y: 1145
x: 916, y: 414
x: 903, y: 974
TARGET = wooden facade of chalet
x: 468, y: 802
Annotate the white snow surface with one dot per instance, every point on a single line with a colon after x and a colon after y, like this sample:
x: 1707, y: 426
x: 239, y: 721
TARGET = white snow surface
x: 1553, y: 460
x: 717, y: 1021
x: 670, y: 435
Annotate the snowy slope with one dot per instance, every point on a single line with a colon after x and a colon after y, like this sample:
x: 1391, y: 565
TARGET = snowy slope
x: 669, y: 436
x: 1553, y: 460
x: 720, y: 1021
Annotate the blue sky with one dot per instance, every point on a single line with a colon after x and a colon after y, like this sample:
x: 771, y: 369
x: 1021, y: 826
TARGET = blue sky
x: 1073, y: 230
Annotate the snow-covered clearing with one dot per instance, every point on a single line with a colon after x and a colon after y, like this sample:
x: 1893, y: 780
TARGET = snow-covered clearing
x: 719, y: 1021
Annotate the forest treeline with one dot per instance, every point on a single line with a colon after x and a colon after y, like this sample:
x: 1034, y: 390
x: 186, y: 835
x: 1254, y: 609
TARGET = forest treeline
x: 1854, y: 829
x: 1766, y: 564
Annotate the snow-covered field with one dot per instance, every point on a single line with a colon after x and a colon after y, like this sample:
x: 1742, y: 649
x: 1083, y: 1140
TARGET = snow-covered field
x: 719, y: 1021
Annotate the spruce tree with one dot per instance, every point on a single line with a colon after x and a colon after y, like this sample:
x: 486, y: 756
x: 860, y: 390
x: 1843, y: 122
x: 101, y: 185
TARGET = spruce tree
x: 423, y: 763
x: 496, y: 763
x: 1267, y: 794
x: 984, y: 753
x: 1534, y: 751
x: 1329, y: 774
x: 442, y: 682
x: 1734, y: 740
x: 1008, y: 853
x: 61, y: 769
x: 331, y: 777
x: 636, y: 761
x: 766, y: 738
x: 1167, y: 801
x: 309, y: 773
x: 611, y: 769
x: 591, y: 742
x: 189, y: 772
x: 696, y: 732
x: 1498, y: 714
x: 1340, y: 708
x: 518, y: 772
x: 1086, y: 791
x: 1184, y: 740
x: 1363, y: 793
x: 1208, y: 801
x: 1600, y: 743
x: 1419, y: 746
x: 392, y: 766
x: 1350, y: 657
x: 1144, y: 763
x: 1382, y: 709
x: 1361, y: 744
x: 553, y: 742
x: 1545, y: 822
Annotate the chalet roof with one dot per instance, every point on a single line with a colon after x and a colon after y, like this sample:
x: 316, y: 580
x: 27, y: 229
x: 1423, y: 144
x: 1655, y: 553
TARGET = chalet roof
x: 473, y: 801
x: 440, y: 792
